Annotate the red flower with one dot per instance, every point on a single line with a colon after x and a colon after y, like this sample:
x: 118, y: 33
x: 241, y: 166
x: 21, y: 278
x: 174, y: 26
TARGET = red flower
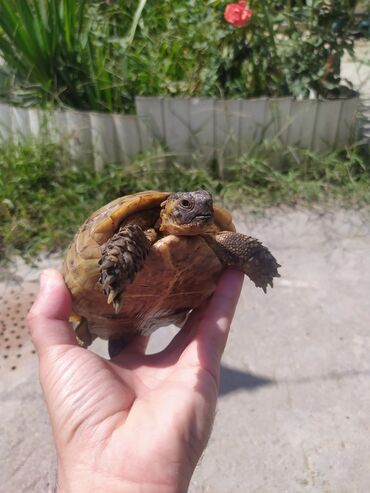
x: 237, y: 14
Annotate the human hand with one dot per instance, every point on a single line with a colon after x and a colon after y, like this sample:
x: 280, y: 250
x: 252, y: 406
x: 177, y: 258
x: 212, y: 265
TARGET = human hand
x: 136, y: 423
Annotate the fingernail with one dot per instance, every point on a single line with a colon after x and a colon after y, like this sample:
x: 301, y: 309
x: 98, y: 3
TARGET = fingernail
x: 45, y: 279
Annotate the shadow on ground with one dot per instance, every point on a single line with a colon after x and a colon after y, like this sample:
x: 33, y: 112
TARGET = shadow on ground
x: 232, y: 379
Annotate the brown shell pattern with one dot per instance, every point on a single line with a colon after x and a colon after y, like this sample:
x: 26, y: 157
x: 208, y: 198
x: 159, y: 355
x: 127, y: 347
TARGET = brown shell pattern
x: 179, y: 273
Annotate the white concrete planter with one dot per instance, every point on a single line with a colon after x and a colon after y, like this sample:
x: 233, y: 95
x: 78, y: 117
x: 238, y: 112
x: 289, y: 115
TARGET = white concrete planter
x: 209, y: 127
x: 91, y: 136
x: 230, y: 127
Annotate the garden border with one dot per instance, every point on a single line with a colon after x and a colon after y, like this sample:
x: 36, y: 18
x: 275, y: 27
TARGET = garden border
x: 206, y: 127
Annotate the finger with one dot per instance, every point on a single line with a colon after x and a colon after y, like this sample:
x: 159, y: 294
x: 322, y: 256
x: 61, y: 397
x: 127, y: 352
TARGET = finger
x: 48, y: 318
x: 213, y: 329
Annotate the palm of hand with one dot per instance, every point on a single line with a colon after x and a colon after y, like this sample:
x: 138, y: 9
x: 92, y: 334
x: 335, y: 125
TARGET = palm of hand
x: 139, y: 419
x: 119, y: 411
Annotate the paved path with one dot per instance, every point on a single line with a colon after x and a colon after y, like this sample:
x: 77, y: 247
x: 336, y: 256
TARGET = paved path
x: 294, y: 408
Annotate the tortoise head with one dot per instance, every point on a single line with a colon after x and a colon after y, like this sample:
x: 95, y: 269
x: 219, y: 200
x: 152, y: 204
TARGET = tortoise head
x: 187, y: 213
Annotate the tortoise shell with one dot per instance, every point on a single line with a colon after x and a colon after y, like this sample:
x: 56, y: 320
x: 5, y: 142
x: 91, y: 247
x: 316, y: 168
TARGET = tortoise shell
x: 179, y: 273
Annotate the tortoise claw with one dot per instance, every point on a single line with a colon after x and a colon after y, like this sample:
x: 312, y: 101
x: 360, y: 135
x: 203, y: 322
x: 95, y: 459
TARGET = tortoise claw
x: 111, y: 297
x: 115, y: 299
x: 117, y: 303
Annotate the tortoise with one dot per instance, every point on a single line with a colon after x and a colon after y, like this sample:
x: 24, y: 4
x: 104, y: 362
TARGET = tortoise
x: 146, y: 260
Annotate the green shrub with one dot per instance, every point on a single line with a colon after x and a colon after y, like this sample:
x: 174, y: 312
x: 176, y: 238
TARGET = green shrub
x: 98, y: 55
x: 286, y: 48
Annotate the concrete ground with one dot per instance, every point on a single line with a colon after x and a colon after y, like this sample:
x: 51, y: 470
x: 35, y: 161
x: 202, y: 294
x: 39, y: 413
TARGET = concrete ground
x: 294, y: 407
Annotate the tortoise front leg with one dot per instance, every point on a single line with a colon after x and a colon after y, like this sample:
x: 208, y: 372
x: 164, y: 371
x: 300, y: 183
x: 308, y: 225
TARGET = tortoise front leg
x: 122, y: 257
x: 247, y: 254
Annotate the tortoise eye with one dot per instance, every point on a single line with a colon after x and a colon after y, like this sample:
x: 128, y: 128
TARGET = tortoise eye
x: 185, y: 203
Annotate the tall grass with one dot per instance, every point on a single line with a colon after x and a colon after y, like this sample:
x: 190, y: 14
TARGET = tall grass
x: 70, y: 52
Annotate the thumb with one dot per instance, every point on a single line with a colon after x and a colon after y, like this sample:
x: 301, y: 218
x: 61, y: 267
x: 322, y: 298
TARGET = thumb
x: 213, y: 325
x: 48, y: 318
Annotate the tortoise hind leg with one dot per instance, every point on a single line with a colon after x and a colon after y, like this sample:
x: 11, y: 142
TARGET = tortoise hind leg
x: 247, y: 254
x: 115, y: 346
x: 122, y: 257
x: 83, y: 335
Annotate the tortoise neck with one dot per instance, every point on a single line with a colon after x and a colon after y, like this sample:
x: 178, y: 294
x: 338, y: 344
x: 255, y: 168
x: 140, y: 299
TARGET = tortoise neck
x: 192, y: 229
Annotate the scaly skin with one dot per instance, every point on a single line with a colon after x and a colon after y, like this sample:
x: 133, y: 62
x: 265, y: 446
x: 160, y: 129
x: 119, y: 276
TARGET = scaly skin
x: 246, y: 254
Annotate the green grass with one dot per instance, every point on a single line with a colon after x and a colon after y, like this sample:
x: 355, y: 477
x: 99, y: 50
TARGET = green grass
x: 44, y: 197
x: 274, y: 174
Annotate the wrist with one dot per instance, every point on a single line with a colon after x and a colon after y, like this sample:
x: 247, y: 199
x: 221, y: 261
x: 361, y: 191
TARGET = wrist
x: 100, y: 485
x: 84, y: 481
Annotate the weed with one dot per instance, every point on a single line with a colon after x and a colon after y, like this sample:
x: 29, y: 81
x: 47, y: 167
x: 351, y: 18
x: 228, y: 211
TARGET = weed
x: 44, y: 197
